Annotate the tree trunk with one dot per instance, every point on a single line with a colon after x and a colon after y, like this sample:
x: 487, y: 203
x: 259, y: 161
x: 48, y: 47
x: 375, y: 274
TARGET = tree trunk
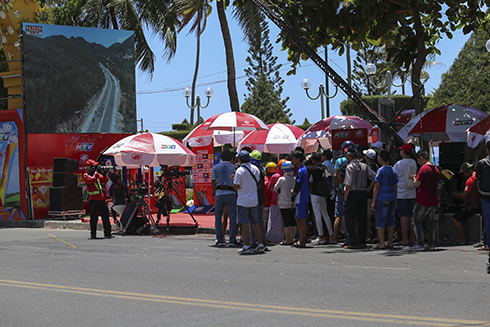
x: 419, y: 64
x: 230, y: 60
x: 196, y: 70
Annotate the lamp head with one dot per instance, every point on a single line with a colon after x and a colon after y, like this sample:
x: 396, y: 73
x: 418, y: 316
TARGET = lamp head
x: 209, y: 92
x: 370, y: 69
x: 305, y: 84
x: 186, y: 92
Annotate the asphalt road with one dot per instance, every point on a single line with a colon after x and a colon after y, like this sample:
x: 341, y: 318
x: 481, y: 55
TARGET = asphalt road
x: 60, y: 278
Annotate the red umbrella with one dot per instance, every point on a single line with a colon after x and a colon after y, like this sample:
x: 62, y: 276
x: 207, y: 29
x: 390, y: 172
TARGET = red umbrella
x: 280, y: 138
x: 202, y: 136
x: 234, y: 121
x: 445, y: 123
x: 320, y: 131
x: 478, y: 132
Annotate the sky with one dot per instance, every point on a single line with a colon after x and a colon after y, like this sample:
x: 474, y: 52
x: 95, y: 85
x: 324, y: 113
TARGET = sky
x: 160, y: 102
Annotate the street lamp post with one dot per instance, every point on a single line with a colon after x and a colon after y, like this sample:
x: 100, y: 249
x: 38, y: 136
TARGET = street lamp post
x: 306, y: 84
x: 187, y: 93
x: 370, y: 70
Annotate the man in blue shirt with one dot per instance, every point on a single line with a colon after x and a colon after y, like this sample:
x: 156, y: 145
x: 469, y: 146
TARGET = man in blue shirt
x: 224, y: 194
x: 301, y: 196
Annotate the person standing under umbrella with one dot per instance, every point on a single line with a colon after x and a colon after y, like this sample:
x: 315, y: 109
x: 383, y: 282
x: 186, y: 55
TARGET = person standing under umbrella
x: 245, y: 182
x: 301, y: 194
x: 94, y: 180
x: 224, y: 193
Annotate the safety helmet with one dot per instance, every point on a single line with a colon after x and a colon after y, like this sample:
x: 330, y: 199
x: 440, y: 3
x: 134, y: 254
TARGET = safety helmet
x: 280, y: 163
x: 256, y: 154
x: 271, y: 167
x: 346, y: 144
x: 287, y: 166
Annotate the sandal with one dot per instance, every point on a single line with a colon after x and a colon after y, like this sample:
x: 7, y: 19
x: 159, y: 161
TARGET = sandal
x: 401, y: 244
x: 378, y: 247
x: 483, y: 248
x: 297, y: 245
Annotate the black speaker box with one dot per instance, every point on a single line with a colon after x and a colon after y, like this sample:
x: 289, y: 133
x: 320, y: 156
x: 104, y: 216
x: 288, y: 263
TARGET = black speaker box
x: 65, y: 198
x: 452, y: 155
x: 65, y: 165
x: 64, y: 179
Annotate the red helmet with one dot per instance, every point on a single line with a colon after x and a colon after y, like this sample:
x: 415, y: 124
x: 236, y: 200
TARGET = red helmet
x: 91, y: 162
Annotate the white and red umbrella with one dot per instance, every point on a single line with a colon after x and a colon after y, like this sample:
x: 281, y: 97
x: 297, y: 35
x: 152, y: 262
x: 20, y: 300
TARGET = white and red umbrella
x: 202, y: 136
x: 150, y: 149
x: 478, y: 132
x: 234, y: 121
x: 280, y: 138
x: 445, y: 123
x: 321, y: 131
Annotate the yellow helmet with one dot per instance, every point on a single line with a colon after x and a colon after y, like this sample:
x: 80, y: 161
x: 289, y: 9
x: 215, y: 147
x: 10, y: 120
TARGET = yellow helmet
x: 271, y: 167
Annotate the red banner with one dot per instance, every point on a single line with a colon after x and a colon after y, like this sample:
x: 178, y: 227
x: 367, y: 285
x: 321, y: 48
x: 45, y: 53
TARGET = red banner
x: 201, y: 175
x: 358, y: 136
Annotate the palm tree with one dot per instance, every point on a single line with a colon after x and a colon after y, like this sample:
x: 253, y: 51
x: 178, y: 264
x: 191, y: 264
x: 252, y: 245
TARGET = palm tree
x: 197, y: 12
x: 159, y: 17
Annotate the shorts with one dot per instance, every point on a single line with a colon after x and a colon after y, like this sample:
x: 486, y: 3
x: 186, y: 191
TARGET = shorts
x: 301, y: 211
x: 339, y: 206
x: 248, y: 215
x: 465, y: 212
x: 405, y: 207
x: 385, y: 214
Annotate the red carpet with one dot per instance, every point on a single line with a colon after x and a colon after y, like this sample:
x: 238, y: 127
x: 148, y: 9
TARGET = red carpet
x: 180, y: 220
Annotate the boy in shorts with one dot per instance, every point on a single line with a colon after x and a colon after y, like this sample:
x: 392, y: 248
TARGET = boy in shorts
x: 384, y: 200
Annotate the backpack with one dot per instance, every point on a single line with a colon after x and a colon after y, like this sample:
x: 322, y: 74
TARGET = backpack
x: 325, y: 185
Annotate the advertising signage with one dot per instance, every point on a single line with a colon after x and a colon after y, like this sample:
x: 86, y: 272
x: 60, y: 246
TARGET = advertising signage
x: 78, y: 79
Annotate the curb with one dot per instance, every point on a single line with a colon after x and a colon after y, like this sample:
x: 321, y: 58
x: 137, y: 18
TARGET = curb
x: 78, y: 224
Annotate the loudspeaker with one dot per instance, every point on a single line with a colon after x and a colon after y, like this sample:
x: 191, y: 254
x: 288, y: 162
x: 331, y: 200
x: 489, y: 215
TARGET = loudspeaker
x: 65, y: 165
x: 452, y: 155
x: 65, y: 198
x: 446, y: 232
x: 64, y: 179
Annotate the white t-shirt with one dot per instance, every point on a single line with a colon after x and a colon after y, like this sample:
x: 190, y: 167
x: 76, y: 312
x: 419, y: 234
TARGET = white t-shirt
x: 283, y: 186
x: 404, y: 168
x: 247, y: 193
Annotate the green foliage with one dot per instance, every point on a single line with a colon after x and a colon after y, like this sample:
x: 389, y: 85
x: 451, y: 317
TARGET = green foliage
x: 264, y: 82
x: 348, y: 108
x: 466, y: 82
x: 306, y: 124
x: 184, y: 126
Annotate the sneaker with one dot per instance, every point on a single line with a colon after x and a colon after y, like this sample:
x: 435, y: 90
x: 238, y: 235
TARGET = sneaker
x: 234, y: 243
x: 319, y: 241
x: 221, y: 244
x: 417, y: 247
x: 244, y: 250
x: 429, y: 247
x: 260, y: 249
x: 109, y: 236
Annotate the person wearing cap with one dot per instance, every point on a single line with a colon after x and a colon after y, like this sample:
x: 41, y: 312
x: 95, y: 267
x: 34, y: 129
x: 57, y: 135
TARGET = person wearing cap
x: 370, y: 157
x: 246, y: 182
x: 283, y: 188
x: 301, y: 195
x: 405, y: 169
x: 358, y: 179
x: 255, y: 157
x: 274, y: 225
x: 472, y: 201
x: 340, y: 165
x: 426, y: 181
x: 225, y: 197
x: 377, y: 145
x: 482, y: 170
x: 96, y: 199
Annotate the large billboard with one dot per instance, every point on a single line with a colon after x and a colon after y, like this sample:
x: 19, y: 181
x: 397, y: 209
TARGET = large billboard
x: 78, y: 79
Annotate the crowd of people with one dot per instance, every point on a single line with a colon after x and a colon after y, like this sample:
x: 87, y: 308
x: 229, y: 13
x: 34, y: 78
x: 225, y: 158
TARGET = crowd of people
x: 354, y: 197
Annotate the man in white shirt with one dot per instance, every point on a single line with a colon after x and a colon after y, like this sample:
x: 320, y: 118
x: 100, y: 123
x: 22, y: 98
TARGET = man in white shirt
x: 405, y: 169
x: 245, y: 183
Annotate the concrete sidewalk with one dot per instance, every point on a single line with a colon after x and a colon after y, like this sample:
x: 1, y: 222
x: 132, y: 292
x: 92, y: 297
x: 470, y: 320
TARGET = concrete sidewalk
x: 181, y: 223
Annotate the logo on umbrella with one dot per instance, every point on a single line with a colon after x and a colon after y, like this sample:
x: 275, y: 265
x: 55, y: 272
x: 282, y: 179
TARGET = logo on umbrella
x: 136, y: 157
x: 168, y: 147
x: 463, y: 122
x: 280, y: 137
